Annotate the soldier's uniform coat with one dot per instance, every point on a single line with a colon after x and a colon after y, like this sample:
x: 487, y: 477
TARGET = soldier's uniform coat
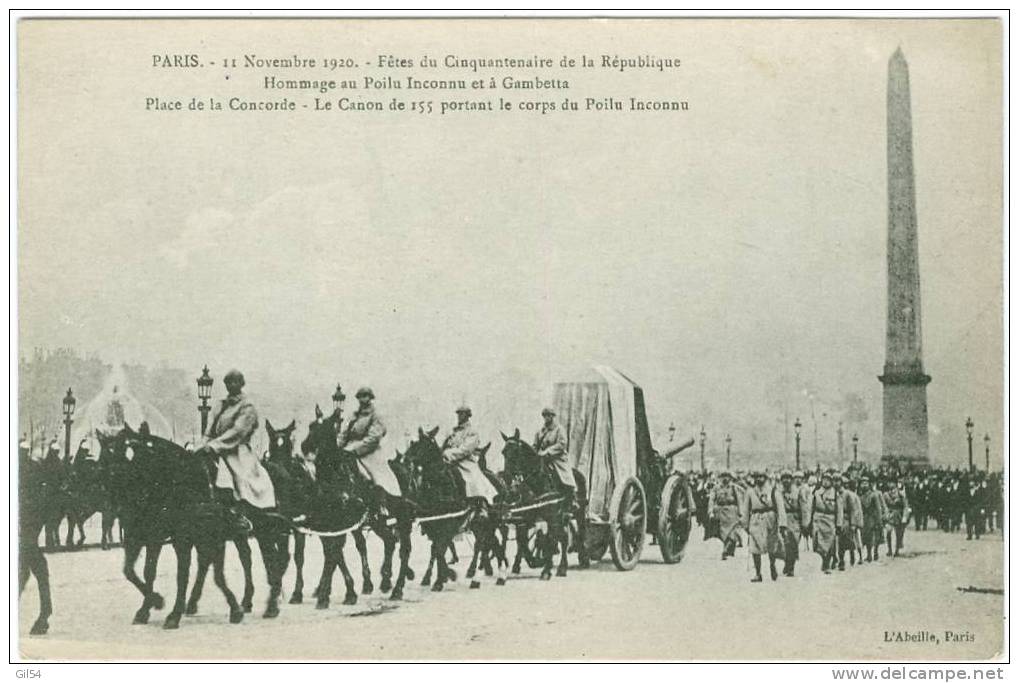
x: 826, y: 514
x: 763, y: 515
x: 723, y: 508
x: 793, y: 501
x: 462, y: 449
x: 897, y: 507
x: 363, y: 437
x: 550, y: 443
x: 872, y: 504
x: 233, y: 423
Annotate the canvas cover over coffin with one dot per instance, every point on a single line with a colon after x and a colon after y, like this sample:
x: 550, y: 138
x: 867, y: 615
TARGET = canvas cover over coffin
x: 603, y: 415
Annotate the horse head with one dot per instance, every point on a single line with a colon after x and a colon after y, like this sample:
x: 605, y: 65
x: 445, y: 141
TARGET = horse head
x: 281, y: 441
x: 429, y: 473
x: 522, y: 464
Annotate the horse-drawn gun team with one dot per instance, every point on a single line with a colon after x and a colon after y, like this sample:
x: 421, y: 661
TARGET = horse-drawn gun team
x: 589, y: 481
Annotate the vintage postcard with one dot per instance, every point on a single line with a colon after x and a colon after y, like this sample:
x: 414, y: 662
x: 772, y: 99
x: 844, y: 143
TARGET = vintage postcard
x: 527, y: 339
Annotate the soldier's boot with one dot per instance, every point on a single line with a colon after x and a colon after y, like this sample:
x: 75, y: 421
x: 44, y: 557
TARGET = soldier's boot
x: 771, y: 564
x: 790, y: 568
x: 824, y: 565
x: 757, y: 570
x: 869, y: 559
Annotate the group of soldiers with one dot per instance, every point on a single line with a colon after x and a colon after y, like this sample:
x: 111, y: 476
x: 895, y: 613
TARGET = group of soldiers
x: 838, y: 513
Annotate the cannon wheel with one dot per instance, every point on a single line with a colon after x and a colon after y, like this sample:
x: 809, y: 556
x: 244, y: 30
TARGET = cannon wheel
x: 674, y: 520
x: 533, y: 546
x: 597, y: 541
x: 629, y: 524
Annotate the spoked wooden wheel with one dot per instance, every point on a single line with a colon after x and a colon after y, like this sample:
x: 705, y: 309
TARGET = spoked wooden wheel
x: 534, y: 546
x: 674, y: 520
x: 629, y: 524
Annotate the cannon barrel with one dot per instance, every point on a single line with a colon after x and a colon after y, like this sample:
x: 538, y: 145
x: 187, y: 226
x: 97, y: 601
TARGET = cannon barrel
x: 680, y: 448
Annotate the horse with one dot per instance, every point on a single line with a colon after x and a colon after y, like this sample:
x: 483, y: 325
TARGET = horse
x: 34, y: 501
x: 439, y: 493
x: 87, y: 495
x: 54, y: 473
x: 164, y: 494
x: 272, y: 533
x: 530, y: 482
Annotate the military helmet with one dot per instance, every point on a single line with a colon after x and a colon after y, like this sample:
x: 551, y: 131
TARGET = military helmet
x: 464, y: 408
x: 365, y: 392
x: 798, y: 474
x: 786, y: 474
x: 234, y: 375
x: 546, y: 411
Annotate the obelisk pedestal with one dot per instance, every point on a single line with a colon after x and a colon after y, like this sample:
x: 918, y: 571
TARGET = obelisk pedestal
x: 905, y: 437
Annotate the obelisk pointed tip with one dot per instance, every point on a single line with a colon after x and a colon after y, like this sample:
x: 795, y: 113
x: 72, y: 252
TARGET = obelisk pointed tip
x: 897, y: 56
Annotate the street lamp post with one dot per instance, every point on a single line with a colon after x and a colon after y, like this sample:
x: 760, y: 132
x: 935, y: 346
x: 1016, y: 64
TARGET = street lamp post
x: 204, y: 394
x: 856, y: 441
x: 672, y: 431
x: 69, y: 403
x: 797, y: 425
x: 969, y: 439
x: 338, y: 397
x: 728, y: 451
x: 703, y: 439
x: 987, y: 453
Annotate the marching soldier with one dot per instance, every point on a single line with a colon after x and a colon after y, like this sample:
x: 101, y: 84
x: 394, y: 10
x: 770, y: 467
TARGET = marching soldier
x: 723, y: 511
x: 854, y: 520
x: 898, y: 514
x: 975, y: 506
x: 793, y: 501
x: 765, y: 521
x: 826, y: 514
x: 872, y: 505
x: 362, y: 438
x: 550, y: 444
x: 806, y: 493
x: 240, y: 477
x: 461, y: 449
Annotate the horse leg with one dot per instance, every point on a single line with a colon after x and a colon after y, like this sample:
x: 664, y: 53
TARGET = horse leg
x: 325, y: 583
x: 196, y: 591
x: 71, y: 521
x: 298, y: 595
x: 480, y: 546
x: 583, y: 560
x: 499, y: 548
x: 244, y: 553
x: 151, y: 562
x: 275, y: 558
x: 548, y: 542
x: 107, y: 536
x: 218, y: 552
x: 350, y: 598
x: 426, y: 580
x: 403, y: 530
x: 183, y: 552
x: 388, y: 548
x: 473, y: 566
x: 564, y: 558
x: 366, y: 575
x: 132, y: 549
x: 438, y: 556
x: 33, y: 561
x: 519, y: 533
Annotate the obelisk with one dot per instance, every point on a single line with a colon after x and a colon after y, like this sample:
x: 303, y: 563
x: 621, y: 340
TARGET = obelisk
x: 904, y: 437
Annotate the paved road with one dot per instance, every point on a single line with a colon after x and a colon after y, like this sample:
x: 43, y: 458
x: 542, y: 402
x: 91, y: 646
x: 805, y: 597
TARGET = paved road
x: 701, y: 608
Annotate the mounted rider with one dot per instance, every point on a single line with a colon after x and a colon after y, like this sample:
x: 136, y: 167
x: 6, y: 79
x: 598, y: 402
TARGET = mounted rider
x: 550, y: 445
x: 362, y: 438
x: 240, y: 477
x: 461, y: 449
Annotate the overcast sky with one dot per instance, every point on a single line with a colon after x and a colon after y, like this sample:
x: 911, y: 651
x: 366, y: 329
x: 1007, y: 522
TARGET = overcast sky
x: 439, y: 259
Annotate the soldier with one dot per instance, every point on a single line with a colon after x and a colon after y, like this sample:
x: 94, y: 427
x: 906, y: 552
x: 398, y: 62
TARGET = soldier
x: 461, y: 449
x: 897, y: 510
x: 872, y: 505
x: 550, y: 444
x: 826, y: 514
x: 792, y: 497
x: 854, y: 520
x: 976, y: 504
x: 806, y: 491
x: 240, y: 477
x: 362, y: 438
x: 765, y: 521
x: 724, y: 503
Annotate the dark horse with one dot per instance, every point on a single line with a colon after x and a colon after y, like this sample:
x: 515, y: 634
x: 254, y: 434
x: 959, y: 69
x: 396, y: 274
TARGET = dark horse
x: 164, y: 494
x: 34, y: 508
x: 444, y: 509
x: 536, y: 496
x: 342, y: 489
x: 271, y: 530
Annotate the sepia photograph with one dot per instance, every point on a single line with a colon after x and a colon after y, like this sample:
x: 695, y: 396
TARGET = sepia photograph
x: 663, y: 339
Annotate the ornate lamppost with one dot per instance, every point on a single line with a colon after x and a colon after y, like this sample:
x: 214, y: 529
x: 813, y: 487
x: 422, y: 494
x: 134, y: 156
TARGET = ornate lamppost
x: 969, y: 438
x: 856, y: 441
x: 797, y: 425
x: 69, y: 403
x: 672, y: 431
x: 703, y: 439
x: 728, y: 451
x: 204, y: 394
x: 338, y: 397
x: 987, y: 453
